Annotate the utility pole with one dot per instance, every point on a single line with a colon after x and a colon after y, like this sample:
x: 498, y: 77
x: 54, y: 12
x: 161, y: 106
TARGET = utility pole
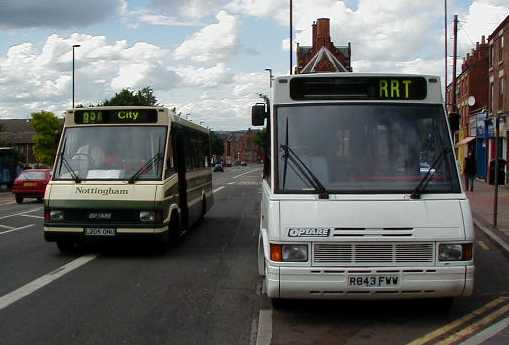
x: 446, y: 39
x: 495, y: 197
x: 291, y: 37
x: 455, y: 57
x: 73, y: 47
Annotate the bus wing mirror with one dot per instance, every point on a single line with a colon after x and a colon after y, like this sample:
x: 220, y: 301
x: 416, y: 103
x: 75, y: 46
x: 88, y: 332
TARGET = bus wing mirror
x: 258, y: 114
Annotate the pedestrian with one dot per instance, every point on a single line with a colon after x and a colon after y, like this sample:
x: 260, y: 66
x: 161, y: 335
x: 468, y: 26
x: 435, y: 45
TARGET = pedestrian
x: 469, y: 171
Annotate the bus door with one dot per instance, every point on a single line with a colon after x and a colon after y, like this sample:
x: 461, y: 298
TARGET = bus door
x: 178, y: 146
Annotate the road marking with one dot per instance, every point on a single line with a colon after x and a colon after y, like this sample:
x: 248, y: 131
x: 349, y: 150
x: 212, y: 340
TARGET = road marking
x: 20, y: 213
x: 483, y: 245
x: 16, y: 229
x: 7, y: 203
x: 6, y: 227
x: 475, y: 327
x: 32, y: 216
x: 248, y: 172
x: 450, y: 326
x: 230, y: 183
x: 218, y: 189
x: 487, y: 333
x: 264, y: 336
x: 44, y: 280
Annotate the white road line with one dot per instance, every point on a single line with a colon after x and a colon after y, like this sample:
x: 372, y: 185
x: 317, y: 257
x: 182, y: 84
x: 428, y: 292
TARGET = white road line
x: 230, y: 183
x: 16, y: 229
x: 6, y: 227
x: 264, y: 336
x: 42, y: 281
x: 489, y: 332
x: 32, y: 216
x: 218, y: 189
x: 248, y: 172
x: 20, y: 213
x: 7, y: 203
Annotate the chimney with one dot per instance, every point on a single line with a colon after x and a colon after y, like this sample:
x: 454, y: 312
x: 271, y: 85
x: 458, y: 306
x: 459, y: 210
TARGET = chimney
x: 483, y: 39
x: 323, y: 32
x: 477, y: 45
x: 313, y: 43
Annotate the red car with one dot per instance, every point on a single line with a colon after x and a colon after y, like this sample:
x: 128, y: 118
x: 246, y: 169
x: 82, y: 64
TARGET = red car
x: 31, y: 184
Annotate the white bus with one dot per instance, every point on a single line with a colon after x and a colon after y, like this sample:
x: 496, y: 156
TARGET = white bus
x: 127, y: 172
x: 361, y: 193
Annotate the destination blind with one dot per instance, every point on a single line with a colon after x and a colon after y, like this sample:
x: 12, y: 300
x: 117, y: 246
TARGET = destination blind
x: 117, y: 116
x: 358, y: 88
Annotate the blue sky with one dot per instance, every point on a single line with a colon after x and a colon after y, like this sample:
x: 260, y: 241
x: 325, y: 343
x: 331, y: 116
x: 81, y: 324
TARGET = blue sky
x: 207, y: 57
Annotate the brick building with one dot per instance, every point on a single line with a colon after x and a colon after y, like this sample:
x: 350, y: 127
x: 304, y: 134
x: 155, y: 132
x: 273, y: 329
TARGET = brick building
x: 498, y: 84
x: 18, y: 133
x: 472, y: 104
x: 323, y: 55
x: 241, y: 146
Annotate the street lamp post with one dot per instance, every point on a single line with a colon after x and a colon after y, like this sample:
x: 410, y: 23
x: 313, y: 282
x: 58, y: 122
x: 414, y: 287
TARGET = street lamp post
x: 73, y: 47
x: 270, y: 76
x: 291, y: 37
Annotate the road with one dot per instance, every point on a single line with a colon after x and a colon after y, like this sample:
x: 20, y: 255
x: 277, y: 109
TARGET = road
x: 206, y: 289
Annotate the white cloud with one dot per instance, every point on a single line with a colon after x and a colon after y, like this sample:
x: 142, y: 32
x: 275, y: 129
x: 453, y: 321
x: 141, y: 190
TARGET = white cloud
x: 56, y: 13
x: 213, y: 44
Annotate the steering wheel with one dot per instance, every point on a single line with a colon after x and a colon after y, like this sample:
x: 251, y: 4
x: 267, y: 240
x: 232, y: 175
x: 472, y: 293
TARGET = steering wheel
x: 86, y: 155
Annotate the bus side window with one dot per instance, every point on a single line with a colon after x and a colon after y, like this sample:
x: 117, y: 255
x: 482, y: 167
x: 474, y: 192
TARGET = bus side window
x: 170, y: 163
x: 267, y: 153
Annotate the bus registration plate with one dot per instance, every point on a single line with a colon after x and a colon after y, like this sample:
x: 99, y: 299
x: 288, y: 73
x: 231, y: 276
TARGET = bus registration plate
x: 374, y: 280
x: 100, y: 231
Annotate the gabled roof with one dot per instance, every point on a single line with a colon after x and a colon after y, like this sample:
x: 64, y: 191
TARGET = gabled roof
x: 17, y: 131
x: 324, y: 54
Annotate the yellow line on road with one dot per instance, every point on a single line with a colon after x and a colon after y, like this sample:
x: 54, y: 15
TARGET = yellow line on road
x: 475, y: 327
x: 483, y: 245
x: 450, y: 326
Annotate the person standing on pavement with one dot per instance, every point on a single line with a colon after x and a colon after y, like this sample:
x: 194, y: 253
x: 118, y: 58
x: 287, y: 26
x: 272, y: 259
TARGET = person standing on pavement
x: 469, y: 171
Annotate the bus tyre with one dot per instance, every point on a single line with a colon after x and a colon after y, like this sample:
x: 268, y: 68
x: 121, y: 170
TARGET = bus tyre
x: 278, y: 303
x: 444, y: 303
x: 19, y: 199
x: 174, y: 230
x: 203, y: 210
x: 162, y: 242
x: 66, y: 247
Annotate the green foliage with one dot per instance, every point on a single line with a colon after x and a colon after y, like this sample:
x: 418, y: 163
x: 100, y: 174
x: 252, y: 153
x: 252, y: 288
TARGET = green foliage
x: 260, y: 138
x: 216, y: 143
x: 48, y: 128
x: 2, y: 138
x: 127, y: 97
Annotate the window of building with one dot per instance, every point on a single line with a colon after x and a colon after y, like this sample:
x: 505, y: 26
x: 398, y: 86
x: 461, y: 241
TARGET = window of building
x: 501, y: 94
x: 491, y: 98
x: 490, y: 56
x: 501, y: 49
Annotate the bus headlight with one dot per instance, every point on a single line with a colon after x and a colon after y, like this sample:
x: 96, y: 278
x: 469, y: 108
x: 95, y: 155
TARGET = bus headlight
x: 56, y: 215
x: 148, y: 216
x: 289, y: 252
x: 455, y: 252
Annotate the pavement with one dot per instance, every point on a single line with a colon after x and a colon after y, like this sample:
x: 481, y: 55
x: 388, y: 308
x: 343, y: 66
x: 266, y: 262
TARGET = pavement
x: 206, y: 290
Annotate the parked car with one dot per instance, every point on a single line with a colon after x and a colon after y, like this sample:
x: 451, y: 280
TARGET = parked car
x: 31, y: 184
x: 218, y: 167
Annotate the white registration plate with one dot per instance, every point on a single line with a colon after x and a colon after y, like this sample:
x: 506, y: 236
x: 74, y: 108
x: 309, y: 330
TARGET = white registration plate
x: 100, y: 231
x: 373, y: 280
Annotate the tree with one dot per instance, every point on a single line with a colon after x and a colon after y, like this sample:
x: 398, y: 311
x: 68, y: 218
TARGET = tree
x: 217, y: 144
x: 47, y: 128
x: 2, y: 136
x: 127, y: 97
x: 260, y: 138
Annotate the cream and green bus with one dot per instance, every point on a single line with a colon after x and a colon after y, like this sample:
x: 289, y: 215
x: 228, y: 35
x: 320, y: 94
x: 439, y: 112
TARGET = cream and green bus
x: 127, y: 172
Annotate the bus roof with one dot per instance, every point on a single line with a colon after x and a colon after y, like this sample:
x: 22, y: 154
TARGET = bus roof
x: 282, y: 92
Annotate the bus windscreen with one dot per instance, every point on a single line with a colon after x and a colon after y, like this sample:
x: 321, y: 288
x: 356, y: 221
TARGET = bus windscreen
x: 117, y: 116
x: 358, y: 88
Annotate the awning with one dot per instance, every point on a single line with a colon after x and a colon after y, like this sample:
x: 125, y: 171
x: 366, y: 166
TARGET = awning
x: 464, y: 141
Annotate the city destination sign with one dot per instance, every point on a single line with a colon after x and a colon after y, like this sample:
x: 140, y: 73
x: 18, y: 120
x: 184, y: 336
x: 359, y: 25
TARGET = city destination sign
x: 85, y: 117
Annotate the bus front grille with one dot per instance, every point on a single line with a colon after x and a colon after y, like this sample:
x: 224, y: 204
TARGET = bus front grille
x: 373, y: 253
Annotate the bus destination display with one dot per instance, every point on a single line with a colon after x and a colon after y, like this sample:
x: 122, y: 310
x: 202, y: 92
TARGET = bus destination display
x: 358, y: 88
x: 85, y: 117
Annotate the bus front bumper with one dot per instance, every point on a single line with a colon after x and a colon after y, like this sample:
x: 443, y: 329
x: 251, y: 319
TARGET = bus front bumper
x: 53, y: 234
x: 332, y: 282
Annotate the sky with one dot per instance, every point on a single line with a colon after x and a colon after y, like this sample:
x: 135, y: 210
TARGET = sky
x: 208, y: 58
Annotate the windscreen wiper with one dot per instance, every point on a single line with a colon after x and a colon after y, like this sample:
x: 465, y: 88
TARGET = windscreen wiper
x: 305, y: 171
x: 64, y: 160
x: 423, y: 183
x: 157, y: 157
